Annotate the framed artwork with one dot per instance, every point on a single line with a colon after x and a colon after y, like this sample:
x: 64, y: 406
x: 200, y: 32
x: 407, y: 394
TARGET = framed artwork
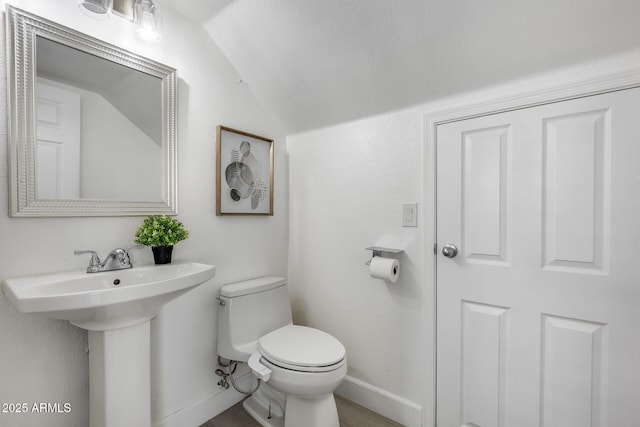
x: 244, y: 173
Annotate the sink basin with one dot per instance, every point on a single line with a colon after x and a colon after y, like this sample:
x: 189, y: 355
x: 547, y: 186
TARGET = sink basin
x: 107, y: 300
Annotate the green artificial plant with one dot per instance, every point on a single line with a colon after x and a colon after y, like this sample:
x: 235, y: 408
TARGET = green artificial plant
x: 160, y: 230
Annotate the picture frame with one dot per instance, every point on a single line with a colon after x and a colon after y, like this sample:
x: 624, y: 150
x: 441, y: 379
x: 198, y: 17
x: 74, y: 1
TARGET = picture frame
x: 244, y: 173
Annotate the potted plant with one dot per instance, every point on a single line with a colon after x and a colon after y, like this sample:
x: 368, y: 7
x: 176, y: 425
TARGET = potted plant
x: 161, y: 233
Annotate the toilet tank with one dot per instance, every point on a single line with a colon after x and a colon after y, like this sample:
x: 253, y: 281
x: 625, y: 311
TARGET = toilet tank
x: 249, y: 310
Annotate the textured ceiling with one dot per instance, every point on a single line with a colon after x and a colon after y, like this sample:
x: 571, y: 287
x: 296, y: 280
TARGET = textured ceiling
x: 316, y: 63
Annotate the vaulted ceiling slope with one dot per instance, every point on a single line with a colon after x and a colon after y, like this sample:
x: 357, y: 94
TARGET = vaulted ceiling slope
x: 321, y: 62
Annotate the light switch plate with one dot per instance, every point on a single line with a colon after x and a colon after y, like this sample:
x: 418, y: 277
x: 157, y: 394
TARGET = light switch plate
x: 409, y: 214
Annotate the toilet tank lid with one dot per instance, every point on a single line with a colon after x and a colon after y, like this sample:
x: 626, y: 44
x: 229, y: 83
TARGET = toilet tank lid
x: 252, y: 286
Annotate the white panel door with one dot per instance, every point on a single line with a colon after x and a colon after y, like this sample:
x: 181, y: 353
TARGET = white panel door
x: 538, y: 314
x: 58, y: 143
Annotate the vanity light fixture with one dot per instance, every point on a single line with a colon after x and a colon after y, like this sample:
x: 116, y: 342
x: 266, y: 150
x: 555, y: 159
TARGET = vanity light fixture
x: 145, y: 15
x: 97, y: 9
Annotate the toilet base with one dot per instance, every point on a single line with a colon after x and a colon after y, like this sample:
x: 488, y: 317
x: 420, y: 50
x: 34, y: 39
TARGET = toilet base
x: 319, y: 411
x: 266, y: 404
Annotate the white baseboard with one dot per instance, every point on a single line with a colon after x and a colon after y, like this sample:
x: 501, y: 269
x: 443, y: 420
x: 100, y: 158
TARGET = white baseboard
x: 200, y: 411
x: 387, y: 404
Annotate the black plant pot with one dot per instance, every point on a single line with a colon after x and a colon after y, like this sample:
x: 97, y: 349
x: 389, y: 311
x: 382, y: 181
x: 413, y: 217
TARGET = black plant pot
x: 162, y: 254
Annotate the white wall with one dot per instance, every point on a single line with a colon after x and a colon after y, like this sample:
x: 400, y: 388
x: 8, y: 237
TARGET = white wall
x: 347, y: 183
x: 347, y: 186
x: 46, y: 360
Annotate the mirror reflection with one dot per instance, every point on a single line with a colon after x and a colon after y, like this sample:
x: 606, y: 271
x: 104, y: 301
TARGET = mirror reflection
x: 99, y: 127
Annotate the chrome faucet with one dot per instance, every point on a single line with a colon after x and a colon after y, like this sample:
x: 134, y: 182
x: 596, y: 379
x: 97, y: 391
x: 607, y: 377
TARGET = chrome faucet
x: 118, y: 259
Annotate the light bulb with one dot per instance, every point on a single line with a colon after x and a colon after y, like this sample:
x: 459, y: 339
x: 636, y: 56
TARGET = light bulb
x: 146, y: 19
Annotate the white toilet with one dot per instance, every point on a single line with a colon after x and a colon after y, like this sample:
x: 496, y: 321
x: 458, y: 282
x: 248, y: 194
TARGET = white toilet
x: 300, y: 367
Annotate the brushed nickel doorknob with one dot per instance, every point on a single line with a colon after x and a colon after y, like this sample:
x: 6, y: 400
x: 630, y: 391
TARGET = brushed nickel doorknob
x: 450, y: 251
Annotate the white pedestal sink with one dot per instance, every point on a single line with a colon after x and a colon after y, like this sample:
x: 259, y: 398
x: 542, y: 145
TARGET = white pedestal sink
x: 116, y: 308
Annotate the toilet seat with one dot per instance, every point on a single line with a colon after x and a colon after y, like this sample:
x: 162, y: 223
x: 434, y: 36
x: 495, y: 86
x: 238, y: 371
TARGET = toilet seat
x: 301, y: 348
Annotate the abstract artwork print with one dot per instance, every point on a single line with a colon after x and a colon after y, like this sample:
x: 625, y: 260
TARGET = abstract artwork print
x: 244, y: 173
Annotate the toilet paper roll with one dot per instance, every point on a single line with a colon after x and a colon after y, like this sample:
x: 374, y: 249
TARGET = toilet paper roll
x: 385, y: 268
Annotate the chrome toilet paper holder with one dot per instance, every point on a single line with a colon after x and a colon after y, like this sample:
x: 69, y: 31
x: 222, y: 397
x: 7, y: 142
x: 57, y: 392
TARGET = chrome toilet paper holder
x: 378, y: 251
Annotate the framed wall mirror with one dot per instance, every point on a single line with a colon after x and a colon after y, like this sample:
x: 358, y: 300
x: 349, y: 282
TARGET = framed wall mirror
x: 92, y: 127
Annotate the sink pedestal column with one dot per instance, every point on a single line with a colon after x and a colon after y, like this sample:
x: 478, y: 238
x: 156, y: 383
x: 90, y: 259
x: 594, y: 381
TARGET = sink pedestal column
x: 120, y: 376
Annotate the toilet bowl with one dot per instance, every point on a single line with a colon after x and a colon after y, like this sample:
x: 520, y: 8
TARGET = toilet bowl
x: 298, y: 367
x: 306, y: 365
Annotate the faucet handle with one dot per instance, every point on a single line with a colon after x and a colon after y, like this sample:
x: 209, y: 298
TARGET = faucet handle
x: 95, y: 259
x: 94, y: 263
